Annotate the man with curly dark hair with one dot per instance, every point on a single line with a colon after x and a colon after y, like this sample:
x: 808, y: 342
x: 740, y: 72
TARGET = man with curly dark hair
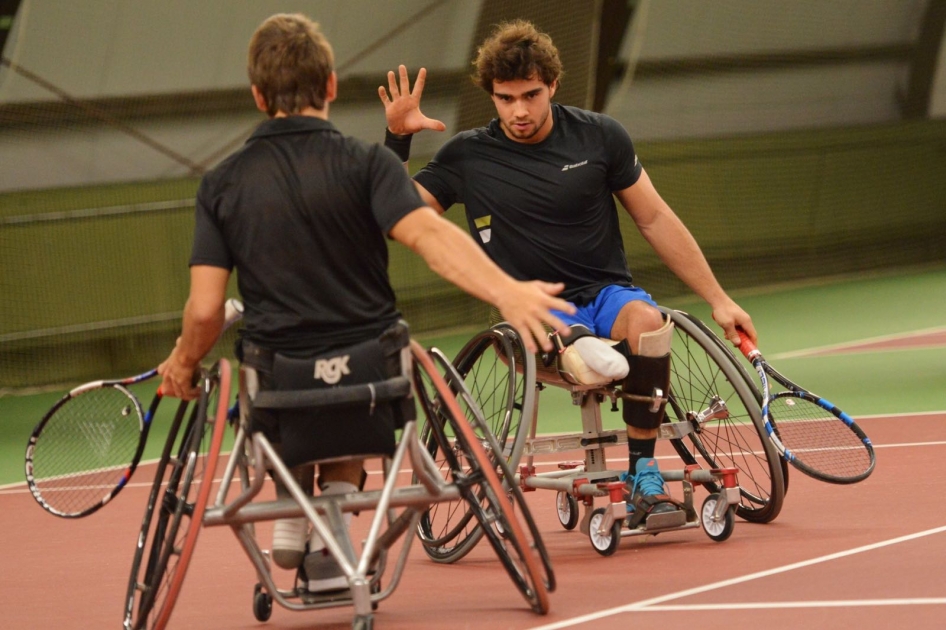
x: 538, y: 184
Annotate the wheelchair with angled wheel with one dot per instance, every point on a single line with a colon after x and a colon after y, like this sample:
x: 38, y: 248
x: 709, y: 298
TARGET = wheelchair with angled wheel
x: 713, y: 422
x: 181, y: 503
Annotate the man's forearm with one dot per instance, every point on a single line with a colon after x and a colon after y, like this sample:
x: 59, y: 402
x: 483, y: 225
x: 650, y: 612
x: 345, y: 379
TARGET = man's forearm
x: 200, y: 333
x: 682, y: 255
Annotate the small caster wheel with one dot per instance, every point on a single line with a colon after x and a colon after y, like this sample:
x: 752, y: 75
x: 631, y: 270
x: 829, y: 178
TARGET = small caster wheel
x: 605, y: 544
x: 567, y: 508
x: 262, y: 604
x: 719, y: 529
x: 363, y: 622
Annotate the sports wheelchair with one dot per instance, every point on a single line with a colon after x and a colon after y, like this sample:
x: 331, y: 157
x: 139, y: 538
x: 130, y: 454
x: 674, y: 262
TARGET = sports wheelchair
x: 180, y: 501
x: 713, y: 421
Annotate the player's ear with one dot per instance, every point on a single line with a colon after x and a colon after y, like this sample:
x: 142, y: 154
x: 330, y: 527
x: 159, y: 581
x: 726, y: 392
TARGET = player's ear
x: 331, y: 87
x: 259, y: 99
x: 553, y: 88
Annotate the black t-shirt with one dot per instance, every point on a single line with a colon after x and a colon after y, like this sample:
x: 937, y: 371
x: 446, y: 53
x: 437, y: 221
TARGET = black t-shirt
x: 543, y: 211
x: 302, y: 212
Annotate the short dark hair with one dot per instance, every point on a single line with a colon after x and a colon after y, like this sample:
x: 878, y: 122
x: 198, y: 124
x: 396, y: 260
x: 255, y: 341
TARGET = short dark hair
x: 289, y: 62
x: 516, y: 50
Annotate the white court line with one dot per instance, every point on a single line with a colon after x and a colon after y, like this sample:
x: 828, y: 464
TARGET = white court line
x: 21, y: 488
x: 646, y: 604
x: 794, y: 354
x: 841, y: 603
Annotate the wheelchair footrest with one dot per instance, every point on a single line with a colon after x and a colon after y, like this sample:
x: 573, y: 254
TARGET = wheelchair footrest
x: 651, y: 529
x: 664, y: 520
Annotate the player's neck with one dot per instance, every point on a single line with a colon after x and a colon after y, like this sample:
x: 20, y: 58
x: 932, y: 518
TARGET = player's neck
x: 308, y: 111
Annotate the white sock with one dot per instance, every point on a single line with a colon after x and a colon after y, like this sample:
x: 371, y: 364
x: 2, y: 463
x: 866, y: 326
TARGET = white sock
x: 601, y: 357
x: 289, y: 536
x: 330, y: 488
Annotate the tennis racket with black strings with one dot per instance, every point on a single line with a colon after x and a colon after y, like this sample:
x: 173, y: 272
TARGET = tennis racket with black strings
x: 811, y: 433
x: 86, y: 448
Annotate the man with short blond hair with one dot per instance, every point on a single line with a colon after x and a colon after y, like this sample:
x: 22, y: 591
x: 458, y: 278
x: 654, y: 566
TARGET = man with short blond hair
x: 302, y: 213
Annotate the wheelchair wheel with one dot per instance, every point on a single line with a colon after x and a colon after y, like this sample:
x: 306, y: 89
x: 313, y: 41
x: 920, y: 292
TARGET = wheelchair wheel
x: 717, y: 529
x: 262, y: 604
x: 475, y: 475
x: 604, y: 543
x: 566, y: 507
x: 176, y: 505
x: 447, y: 530
x: 500, y: 377
x: 704, y: 372
x: 477, y: 424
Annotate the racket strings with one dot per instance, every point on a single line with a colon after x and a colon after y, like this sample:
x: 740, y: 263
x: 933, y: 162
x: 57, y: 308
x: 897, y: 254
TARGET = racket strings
x: 85, y: 447
x: 817, y: 438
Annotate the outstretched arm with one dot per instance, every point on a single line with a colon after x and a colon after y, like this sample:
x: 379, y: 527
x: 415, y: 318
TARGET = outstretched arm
x: 672, y: 241
x: 402, y: 111
x: 452, y: 254
x: 402, y: 105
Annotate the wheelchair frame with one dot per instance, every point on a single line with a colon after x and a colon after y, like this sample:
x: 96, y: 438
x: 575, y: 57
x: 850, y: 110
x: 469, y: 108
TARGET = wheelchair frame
x: 711, y: 403
x: 474, y: 478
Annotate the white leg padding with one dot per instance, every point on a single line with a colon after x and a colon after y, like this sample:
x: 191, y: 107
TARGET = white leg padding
x: 601, y: 358
x: 289, y: 536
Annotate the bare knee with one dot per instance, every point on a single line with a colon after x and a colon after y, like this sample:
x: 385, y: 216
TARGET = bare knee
x: 635, y: 319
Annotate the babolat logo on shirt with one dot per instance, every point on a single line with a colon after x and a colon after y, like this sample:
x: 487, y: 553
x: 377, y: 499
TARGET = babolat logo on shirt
x: 331, y: 370
x: 569, y: 167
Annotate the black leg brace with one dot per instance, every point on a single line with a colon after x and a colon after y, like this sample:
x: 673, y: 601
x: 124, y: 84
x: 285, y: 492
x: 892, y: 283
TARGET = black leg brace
x: 645, y: 374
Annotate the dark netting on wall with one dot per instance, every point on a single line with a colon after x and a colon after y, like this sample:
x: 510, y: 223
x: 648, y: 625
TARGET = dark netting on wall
x: 794, y: 142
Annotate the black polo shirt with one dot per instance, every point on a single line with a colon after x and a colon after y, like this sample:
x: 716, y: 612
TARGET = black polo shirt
x: 543, y: 211
x: 302, y: 213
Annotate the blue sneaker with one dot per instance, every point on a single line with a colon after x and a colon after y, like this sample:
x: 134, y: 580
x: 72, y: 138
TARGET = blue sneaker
x: 647, y: 495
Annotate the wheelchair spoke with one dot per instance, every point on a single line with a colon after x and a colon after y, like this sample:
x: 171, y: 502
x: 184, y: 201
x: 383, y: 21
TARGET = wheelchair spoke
x: 183, y: 484
x: 703, y: 372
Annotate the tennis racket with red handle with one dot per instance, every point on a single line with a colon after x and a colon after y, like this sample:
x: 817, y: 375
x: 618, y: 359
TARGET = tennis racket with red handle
x: 810, y: 432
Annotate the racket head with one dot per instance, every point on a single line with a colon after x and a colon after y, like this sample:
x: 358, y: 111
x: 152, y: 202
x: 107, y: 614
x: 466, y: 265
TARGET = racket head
x: 821, y: 440
x: 84, y: 450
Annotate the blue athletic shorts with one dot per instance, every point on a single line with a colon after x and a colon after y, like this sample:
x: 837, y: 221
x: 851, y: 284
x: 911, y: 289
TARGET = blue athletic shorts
x: 599, y: 314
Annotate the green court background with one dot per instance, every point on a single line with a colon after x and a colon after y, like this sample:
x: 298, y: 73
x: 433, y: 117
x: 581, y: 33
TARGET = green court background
x: 788, y: 318
x: 92, y: 283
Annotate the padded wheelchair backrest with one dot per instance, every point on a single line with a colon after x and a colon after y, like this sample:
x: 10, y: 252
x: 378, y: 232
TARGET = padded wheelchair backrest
x: 344, y: 402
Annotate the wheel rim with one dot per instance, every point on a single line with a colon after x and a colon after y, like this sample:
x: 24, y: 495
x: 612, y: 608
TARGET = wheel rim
x: 697, y: 378
x: 563, y: 507
x: 480, y: 485
x: 600, y: 541
x: 712, y: 525
x: 447, y: 530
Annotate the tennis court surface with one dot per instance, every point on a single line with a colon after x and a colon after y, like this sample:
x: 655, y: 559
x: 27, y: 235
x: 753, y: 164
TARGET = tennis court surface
x: 867, y: 555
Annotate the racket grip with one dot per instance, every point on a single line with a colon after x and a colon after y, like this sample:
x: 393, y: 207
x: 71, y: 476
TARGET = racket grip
x: 746, y: 347
x: 232, y: 312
